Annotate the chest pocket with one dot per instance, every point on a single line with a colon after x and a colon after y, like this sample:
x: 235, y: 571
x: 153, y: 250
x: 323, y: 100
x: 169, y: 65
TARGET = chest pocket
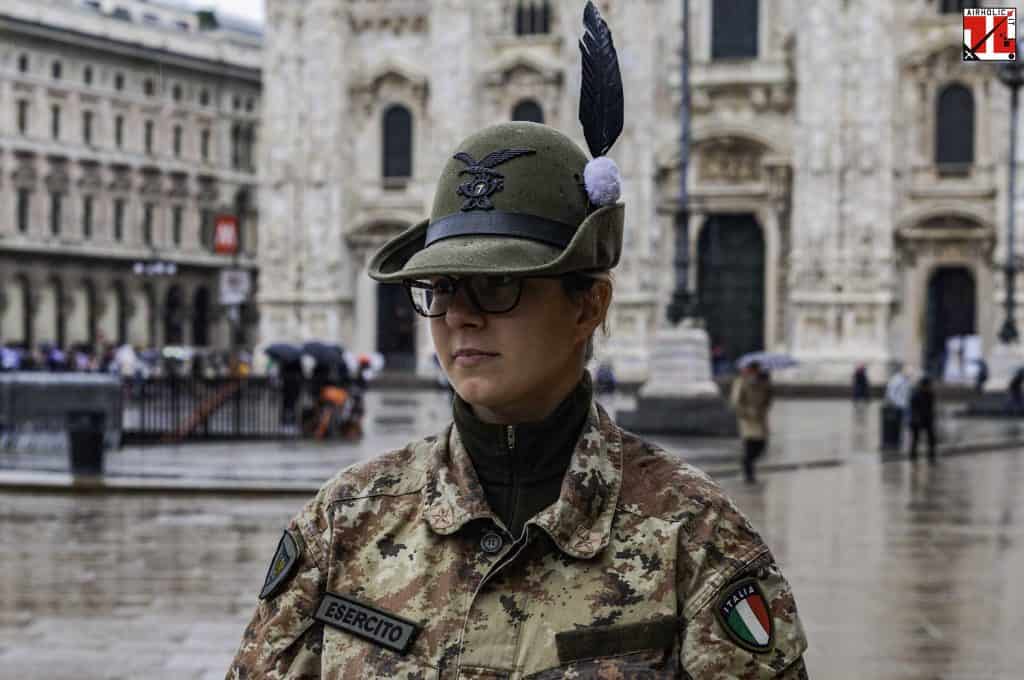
x: 634, y: 650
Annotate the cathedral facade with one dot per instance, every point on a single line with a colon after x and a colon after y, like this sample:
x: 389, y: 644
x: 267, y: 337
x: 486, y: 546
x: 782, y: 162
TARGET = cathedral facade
x: 847, y: 171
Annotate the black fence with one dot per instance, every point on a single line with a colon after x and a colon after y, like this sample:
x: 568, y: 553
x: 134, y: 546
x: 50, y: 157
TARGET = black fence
x: 173, y: 409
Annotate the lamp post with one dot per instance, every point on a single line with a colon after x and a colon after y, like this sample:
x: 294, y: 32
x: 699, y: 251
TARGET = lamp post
x: 682, y: 305
x: 1011, y: 74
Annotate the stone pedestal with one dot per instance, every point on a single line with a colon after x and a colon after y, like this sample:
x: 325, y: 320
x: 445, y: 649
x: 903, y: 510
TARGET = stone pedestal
x: 679, y: 397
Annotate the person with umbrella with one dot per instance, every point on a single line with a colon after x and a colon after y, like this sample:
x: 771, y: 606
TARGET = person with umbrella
x: 289, y: 359
x: 531, y: 536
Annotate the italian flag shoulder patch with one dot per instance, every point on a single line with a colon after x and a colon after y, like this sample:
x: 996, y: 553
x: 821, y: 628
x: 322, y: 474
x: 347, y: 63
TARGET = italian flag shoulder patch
x: 743, y: 612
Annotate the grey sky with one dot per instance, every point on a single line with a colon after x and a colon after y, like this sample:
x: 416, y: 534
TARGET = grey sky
x: 249, y: 9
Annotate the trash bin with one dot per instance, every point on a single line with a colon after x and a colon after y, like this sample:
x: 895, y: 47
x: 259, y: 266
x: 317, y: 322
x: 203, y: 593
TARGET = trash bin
x: 892, y: 426
x: 85, y: 441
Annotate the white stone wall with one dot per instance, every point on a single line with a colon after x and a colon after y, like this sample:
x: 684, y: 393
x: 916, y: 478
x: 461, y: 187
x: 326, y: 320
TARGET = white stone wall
x: 827, y: 138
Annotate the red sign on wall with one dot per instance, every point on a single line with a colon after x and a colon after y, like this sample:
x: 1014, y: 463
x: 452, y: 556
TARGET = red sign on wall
x: 225, y: 235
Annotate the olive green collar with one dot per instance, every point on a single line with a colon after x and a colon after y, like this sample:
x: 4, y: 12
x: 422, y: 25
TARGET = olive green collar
x: 537, y: 451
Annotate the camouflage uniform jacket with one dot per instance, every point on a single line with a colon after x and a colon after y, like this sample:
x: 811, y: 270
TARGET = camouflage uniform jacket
x: 620, y: 578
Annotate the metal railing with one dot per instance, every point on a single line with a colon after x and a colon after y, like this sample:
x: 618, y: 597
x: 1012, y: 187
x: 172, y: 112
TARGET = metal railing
x: 172, y: 409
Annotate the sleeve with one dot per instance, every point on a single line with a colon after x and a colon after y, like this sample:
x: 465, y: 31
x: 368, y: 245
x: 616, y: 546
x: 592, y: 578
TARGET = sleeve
x: 282, y: 639
x: 739, y: 612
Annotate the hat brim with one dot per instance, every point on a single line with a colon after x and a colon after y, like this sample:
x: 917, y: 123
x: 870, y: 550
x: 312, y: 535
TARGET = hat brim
x: 597, y: 244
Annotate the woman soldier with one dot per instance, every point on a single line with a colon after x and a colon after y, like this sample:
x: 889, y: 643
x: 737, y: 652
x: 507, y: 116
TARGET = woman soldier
x: 531, y: 537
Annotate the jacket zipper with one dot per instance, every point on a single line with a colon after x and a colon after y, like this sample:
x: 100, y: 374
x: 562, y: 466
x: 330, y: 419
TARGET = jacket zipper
x: 511, y: 430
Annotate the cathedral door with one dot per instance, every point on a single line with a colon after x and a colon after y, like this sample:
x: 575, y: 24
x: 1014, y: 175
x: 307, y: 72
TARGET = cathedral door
x: 730, y: 283
x: 951, y: 311
x: 396, y: 328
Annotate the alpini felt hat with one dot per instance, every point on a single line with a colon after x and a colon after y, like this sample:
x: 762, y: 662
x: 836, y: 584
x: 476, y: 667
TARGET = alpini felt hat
x: 522, y: 198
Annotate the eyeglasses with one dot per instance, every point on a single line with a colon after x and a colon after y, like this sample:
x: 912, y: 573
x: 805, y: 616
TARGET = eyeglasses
x: 490, y: 294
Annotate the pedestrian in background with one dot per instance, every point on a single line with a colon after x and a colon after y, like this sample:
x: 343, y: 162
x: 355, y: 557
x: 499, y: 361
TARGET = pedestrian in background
x: 1016, y: 390
x: 861, y: 386
x: 752, y: 397
x: 982, y: 377
x: 922, y: 417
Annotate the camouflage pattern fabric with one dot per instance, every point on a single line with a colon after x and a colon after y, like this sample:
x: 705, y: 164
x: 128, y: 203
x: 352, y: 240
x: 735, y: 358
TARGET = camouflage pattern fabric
x: 619, y: 578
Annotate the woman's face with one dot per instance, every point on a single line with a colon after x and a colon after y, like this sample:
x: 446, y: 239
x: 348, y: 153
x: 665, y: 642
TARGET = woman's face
x: 538, y: 347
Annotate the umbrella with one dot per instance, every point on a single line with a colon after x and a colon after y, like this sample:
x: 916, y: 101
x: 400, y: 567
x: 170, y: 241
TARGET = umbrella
x: 769, y: 361
x: 324, y: 353
x: 283, y: 352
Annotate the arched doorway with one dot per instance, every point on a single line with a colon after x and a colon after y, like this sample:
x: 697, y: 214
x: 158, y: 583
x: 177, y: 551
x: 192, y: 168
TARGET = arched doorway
x: 201, y: 317
x: 174, y: 327
x: 731, y: 283
x: 396, y: 327
x: 950, y: 311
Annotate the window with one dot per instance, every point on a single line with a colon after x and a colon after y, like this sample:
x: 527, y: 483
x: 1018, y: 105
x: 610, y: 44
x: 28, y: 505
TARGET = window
x: 176, y: 93
x: 23, y: 116
x: 177, y: 213
x: 528, y: 110
x: 147, y: 87
x: 147, y: 224
x: 734, y: 29
x: 204, y: 97
x: 55, y: 121
x: 23, y: 63
x: 87, y: 127
x: 204, y: 144
x: 24, y: 203
x: 181, y: 25
x: 56, y: 202
x: 119, y: 81
x: 150, y: 19
x: 250, y: 104
x: 118, y: 219
x: 954, y: 129
x: 955, y: 6
x: 147, y: 136
x: 87, y: 75
x: 93, y: 4
x: 206, y: 228
x: 87, y: 217
x: 122, y: 14
x: 118, y: 131
x: 56, y: 70
x: 237, y: 102
x: 236, y: 146
x: 397, y: 142
x: 533, y: 17
x: 177, y: 140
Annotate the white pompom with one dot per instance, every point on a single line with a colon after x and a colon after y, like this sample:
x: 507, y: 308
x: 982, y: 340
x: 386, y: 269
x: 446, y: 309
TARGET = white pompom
x: 603, y: 181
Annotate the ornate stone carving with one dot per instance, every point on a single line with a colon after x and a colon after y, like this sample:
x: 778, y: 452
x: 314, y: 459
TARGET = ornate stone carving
x: 150, y: 185
x: 24, y: 175
x: 58, y: 181
x: 121, y: 178
x: 729, y: 160
x: 208, y: 192
x: 90, y: 179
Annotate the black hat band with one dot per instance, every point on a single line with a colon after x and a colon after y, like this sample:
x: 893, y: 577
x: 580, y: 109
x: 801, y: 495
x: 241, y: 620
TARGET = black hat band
x: 498, y: 223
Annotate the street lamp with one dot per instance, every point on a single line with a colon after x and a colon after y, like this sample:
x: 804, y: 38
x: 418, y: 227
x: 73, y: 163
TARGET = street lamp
x: 682, y: 306
x: 1011, y: 74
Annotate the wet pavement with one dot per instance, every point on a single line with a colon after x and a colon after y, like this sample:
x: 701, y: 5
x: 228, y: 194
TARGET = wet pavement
x: 804, y: 432
x: 901, y: 571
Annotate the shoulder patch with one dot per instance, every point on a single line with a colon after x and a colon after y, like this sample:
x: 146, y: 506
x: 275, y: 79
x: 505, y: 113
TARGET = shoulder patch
x: 289, y: 549
x: 743, y: 612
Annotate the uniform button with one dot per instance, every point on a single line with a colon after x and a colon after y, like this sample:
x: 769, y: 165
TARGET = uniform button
x: 491, y: 542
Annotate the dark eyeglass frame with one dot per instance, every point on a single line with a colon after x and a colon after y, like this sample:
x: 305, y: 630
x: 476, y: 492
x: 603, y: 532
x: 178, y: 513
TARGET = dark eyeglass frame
x: 457, y: 282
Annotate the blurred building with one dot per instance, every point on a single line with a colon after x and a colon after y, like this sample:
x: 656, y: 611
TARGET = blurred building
x: 847, y: 175
x: 127, y: 128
